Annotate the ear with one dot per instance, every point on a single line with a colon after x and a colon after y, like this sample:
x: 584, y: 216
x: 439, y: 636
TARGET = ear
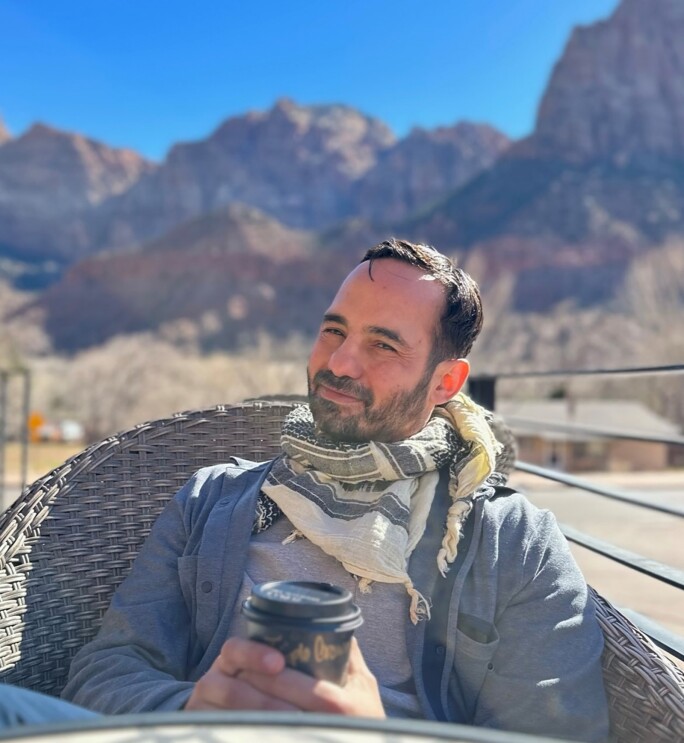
x: 451, y: 376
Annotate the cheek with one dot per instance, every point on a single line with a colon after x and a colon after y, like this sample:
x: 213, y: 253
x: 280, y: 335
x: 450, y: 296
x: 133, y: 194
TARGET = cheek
x: 386, y: 379
x: 389, y: 380
x: 390, y: 371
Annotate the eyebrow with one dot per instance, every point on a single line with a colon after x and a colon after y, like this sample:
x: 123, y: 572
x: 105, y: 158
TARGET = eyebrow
x: 391, y: 335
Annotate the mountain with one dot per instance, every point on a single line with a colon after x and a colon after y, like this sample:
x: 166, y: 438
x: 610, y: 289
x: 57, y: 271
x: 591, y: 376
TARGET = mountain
x: 424, y: 167
x: 221, y: 279
x: 563, y: 224
x: 295, y: 163
x: 49, y: 179
x: 5, y: 135
x: 601, y: 178
x: 617, y: 93
x: 225, y: 274
x: 64, y: 197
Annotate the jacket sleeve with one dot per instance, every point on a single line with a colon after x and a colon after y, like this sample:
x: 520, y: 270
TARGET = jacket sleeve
x: 138, y: 660
x: 544, y: 674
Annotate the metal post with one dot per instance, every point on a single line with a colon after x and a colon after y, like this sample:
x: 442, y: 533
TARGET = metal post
x: 26, y: 408
x: 3, y: 434
x: 483, y: 391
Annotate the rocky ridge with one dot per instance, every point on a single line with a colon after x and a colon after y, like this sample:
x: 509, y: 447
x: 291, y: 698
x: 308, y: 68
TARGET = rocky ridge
x: 5, y: 135
x: 617, y: 93
x: 49, y: 181
x: 228, y: 274
x: 424, y: 167
x: 304, y: 165
x: 295, y: 163
x: 601, y: 178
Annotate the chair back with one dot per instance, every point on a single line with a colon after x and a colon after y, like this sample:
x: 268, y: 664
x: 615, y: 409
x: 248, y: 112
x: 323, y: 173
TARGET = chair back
x: 72, y: 536
x: 645, y: 689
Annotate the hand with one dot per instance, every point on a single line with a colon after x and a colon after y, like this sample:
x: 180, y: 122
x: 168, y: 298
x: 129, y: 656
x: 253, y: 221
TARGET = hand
x: 251, y: 676
x: 359, y: 696
x: 224, y: 687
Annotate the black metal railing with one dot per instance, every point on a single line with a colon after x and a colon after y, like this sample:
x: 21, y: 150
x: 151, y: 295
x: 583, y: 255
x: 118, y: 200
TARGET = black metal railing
x: 483, y: 390
x: 590, y: 487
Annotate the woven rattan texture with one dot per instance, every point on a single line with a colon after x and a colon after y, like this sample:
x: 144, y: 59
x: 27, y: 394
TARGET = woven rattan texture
x: 73, y: 535
x: 645, y: 690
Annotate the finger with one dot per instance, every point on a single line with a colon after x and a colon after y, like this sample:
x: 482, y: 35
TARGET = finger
x: 238, y: 654
x: 357, y: 662
x: 298, y: 689
x: 215, y: 691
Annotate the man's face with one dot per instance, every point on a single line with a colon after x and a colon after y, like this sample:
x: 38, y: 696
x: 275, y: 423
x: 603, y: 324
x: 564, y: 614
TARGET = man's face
x: 367, y: 374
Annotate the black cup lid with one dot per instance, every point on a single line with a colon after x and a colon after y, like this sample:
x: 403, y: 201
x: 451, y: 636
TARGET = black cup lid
x: 303, y: 600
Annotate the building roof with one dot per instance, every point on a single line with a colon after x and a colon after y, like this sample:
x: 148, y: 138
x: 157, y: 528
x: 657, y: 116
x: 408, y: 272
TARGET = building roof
x: 625, y: 416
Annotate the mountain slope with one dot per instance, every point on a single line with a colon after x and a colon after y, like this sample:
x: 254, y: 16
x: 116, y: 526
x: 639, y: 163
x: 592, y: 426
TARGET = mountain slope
x: 5, y: 135
x: 601, y: 178
x: 424, y: 167
x: 48, y: 180
x: 226, y: 274
x: 295, y: 163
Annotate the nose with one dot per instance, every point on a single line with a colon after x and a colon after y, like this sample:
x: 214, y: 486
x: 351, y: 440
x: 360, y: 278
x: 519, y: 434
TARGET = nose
x: 345, y: 361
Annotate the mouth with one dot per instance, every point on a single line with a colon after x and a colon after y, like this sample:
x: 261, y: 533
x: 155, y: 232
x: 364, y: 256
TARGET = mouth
x: 341, y: 398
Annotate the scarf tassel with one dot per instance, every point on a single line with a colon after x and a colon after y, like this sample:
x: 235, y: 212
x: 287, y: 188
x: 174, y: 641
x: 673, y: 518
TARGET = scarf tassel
x: 419, y: 608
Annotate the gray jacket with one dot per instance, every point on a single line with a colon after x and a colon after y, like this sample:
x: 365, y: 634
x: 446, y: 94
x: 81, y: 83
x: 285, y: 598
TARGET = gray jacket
x: 522, y: 651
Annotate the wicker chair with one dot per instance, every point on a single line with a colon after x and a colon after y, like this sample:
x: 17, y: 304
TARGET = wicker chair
x: 70, y: 539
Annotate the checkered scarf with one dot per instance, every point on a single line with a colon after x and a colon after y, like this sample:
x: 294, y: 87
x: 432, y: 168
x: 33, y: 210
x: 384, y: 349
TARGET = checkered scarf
x: 367, y: 504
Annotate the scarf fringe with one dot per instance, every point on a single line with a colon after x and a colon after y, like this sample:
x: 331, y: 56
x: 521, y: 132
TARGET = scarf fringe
x: 469, y: 419
x: 293, y: 536
x: 420, y: 607
x: 456, y: 515
x: 365, y: 585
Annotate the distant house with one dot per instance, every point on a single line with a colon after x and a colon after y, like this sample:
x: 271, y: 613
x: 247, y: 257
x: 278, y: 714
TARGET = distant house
x: 533, y: 424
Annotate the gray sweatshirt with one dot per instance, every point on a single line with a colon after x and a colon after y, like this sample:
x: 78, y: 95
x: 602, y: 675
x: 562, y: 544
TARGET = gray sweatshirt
x: 523, y: 647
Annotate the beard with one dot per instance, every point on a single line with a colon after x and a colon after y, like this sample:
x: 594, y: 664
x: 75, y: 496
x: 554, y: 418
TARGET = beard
x: 387, y: 422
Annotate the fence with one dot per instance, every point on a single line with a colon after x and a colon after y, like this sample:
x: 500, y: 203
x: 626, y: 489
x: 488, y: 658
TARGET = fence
x: 483, y: 390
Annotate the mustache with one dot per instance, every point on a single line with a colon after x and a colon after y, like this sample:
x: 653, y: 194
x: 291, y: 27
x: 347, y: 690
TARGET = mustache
x: 343, y: 384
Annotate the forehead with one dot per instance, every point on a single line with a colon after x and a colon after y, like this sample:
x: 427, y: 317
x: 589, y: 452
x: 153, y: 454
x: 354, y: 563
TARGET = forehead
x: 395, y: 294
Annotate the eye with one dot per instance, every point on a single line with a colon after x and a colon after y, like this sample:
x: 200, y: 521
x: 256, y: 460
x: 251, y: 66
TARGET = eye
x: 385, y: 346
x: 332, y: 331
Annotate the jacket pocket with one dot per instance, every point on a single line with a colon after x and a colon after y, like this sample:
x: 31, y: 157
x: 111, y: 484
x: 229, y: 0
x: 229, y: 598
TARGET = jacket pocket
x: 476, y: 644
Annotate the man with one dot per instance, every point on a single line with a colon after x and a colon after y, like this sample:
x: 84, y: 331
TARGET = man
x: 388, y: 454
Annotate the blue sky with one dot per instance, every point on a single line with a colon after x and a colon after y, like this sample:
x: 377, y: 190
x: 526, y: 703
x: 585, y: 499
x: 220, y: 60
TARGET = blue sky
x: 147, y: 73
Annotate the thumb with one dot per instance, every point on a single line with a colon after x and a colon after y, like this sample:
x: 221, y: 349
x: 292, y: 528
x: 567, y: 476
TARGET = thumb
x: 357, y: 662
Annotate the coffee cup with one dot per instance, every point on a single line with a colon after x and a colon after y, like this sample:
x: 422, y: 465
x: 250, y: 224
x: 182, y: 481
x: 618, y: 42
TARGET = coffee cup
x: 311, y: 624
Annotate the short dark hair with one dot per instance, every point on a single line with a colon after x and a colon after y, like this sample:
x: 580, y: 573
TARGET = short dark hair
x: 461, y: 319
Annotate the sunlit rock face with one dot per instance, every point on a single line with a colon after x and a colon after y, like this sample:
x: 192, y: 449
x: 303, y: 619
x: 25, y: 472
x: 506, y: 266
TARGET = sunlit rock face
x: 424, y: 167
x: 295, y: 163
x: 618, y: 90
x: 49, y: 180
x: 599, y: 182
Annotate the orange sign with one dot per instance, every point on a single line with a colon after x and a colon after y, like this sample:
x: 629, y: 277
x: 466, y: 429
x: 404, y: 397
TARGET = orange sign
x: 35, y: 423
